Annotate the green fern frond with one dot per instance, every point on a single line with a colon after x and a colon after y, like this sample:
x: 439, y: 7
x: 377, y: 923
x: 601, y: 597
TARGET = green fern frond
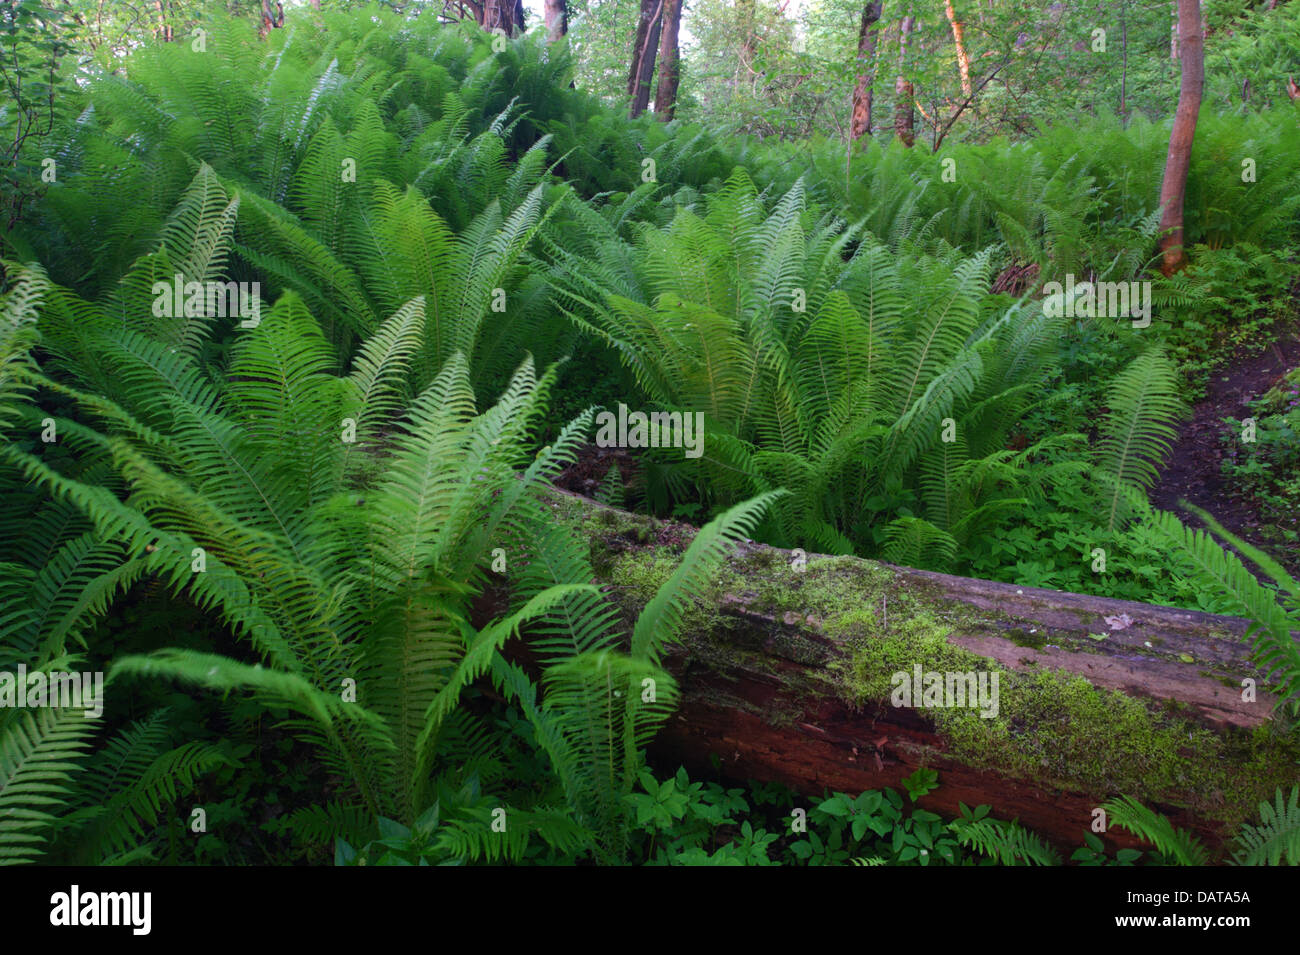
x: 1007, y: 842
x: 661, y: 619
x: 1178, y: 845
x: 40, y: 752
x: 1275, y: 649
x: 1276, y: 839
x: 1139, y: 428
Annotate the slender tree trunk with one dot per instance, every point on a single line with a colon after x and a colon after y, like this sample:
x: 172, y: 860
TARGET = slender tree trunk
x: 1174, y: 186
x: 670, y: 64
x: 904, y: 118
x: 860, y: 117
x: 1123, y: 76
x: 556, y: 19
x: 164, y: 28
x: 643, y: 55
x: 1173, y: 30
x: 958, y: 37
x: 746, y: 10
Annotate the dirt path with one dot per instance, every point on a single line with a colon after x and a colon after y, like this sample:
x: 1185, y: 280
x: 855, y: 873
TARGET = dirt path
x: 1193, y: 472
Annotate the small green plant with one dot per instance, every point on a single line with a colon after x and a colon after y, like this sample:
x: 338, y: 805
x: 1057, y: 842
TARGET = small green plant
x: 1276, y: 839
x: 1274, y: 614
x: 1093, y: 853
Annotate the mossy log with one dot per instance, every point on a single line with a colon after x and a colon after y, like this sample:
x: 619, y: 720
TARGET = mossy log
x: 786, y: 674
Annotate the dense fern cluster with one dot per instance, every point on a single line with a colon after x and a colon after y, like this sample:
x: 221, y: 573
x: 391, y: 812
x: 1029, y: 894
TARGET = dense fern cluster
x: 353, y: 590
x: 344, y: 477
x: 825, y: 364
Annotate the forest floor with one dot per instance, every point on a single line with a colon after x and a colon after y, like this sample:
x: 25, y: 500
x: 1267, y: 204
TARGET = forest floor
x: 589, y: 471
x: 1194, y: 471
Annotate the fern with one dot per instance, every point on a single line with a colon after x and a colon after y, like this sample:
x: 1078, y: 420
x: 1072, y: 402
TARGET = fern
x: 1007, y: 842
x: 1276, y: 839
x: 1179, y: 846
x: 1272, y: 626
x: 39, y: 754
x: 1139, y: 429
x: 122, y: 814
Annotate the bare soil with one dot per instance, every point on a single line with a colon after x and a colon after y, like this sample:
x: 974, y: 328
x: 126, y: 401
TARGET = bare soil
x: 1194, y: 470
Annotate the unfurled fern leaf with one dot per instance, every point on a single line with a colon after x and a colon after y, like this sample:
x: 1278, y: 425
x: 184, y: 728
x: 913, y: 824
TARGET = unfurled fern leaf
x: 40, y: 751
x: 136, y: 800
x: 1007, y: 842
x: 1276, y: 839
x: 1271, y: 631
x: 610, y: 491
x: 1139, y: 429
x: 661, y: 619
x: 915, y: 542
x: 1177, y: 845
x: 22, y: 291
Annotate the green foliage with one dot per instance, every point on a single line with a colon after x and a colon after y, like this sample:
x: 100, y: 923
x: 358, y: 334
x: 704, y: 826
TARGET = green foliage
x: 1007, y: 842
x: 38, y: 756
x: 1093, y: 853
x: 243, y: 495
x: 1261, y: 460
x: 127, y: 786
x: 1137, y: 434
x: 1176, y: 845
x: 1276, y: 840
x: 1273, y: 615
x: 794, y: 337
x: 311, y: 501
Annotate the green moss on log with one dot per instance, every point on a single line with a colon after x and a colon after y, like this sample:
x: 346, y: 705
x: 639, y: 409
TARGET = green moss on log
x: 1053, y: 728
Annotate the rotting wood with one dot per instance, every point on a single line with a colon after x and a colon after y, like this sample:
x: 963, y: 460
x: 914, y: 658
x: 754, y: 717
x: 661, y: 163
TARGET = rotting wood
x: 767, y: 687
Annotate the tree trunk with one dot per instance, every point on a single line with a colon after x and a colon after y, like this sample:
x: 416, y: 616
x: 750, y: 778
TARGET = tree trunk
x: 860, y: 118
x: 670, y: 65
x: 904, y: 118
x: 557, y: 19
x: 164, y: 31
x: 271, y: 19
x: 504, y: 15
x: 643, y: 55
x: 963, y: 59
x: 784, y: 672
x: 746, y: 11
x: 1174, y: 186
x: 1123, y: 76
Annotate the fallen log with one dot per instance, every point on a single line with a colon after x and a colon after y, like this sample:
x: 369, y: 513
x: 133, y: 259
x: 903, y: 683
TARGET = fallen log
x: 817, y: 672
